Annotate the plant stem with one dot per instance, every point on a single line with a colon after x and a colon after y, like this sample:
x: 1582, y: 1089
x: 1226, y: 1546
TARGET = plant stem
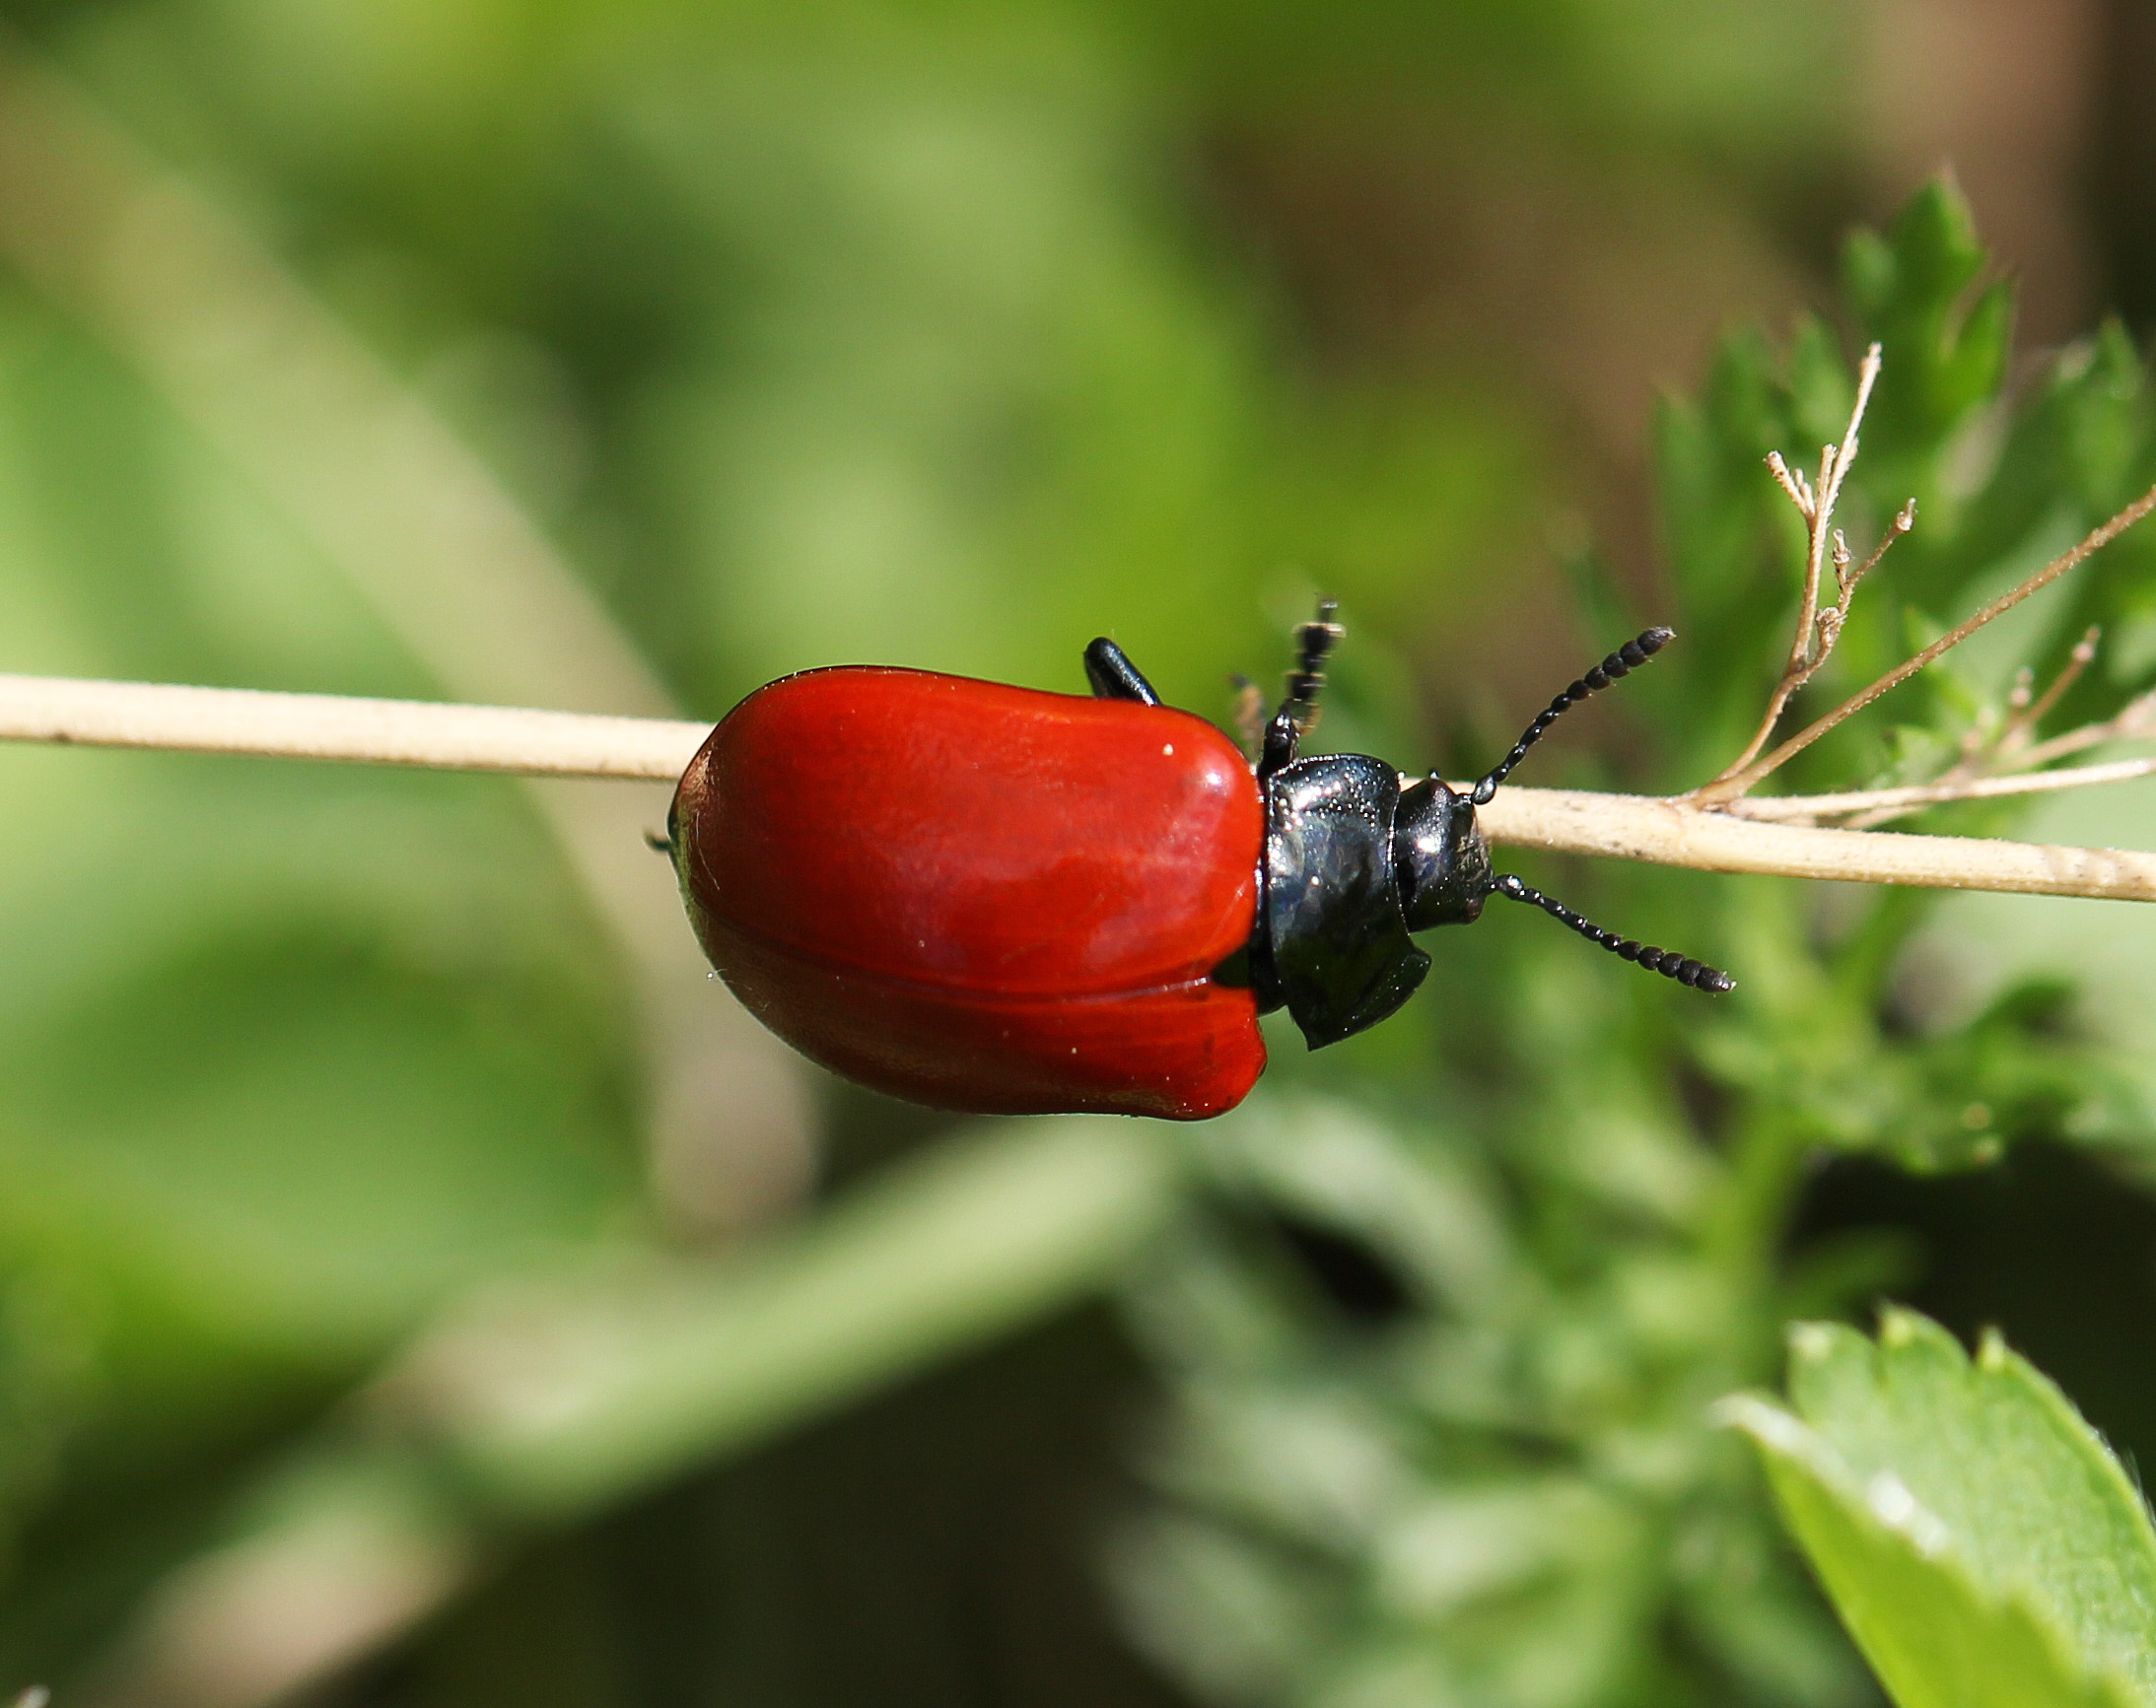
x: 332, y: 726
x: 1804, y: 807
x: 328, y: 726
x: 1810, y: 644
x: 1674, y: 833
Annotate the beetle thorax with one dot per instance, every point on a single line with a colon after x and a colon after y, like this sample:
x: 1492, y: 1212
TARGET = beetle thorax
x: 1353, y: 864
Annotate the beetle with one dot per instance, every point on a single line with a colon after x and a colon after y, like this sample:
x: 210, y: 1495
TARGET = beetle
x: 1004, y: 901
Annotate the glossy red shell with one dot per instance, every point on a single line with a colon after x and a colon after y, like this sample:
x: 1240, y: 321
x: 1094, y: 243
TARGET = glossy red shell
x: 980, y: 897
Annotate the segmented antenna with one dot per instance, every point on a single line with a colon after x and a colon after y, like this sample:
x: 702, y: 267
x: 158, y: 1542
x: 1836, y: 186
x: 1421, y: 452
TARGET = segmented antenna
x: 1314, y: 643
x: 1620, y: 664
x: 1666, y: 962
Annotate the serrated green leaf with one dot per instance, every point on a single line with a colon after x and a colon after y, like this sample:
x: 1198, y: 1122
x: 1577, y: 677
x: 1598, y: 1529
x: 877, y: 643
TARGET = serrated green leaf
x: 1977, y: 365
x: 1931, y: 1634
x: 1979, y: 1540
x: 1944, y: 357
x: 1932, y: 253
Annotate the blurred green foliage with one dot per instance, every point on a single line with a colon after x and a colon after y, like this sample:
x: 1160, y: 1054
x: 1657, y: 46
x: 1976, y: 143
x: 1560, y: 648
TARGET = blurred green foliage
x: 952, y: 335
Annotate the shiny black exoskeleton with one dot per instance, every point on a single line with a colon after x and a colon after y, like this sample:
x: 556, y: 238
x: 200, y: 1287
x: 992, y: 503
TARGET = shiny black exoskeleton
x: 1355, y: 862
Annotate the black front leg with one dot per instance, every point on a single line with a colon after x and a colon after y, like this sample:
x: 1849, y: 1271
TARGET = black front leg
x: 1283, y: 738
x: 1114, y: 677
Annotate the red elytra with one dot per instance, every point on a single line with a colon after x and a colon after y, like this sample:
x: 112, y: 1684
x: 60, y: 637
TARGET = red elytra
x: 981, y: 897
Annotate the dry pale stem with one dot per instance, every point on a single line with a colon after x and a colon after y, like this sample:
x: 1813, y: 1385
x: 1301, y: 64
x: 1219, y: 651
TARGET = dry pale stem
x: 324, y: 726
x: 1730, y: 786
x: 1817, y: 629
x: 1673, y: 833
x: 2020, y: 728
x: 2000, y: 756
x: 335, y: 726
x: 1865, y: 807
x: 2137, y: 721
x: 1997, y: 750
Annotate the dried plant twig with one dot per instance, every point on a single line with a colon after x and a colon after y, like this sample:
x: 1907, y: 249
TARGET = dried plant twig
x: 1860, y: 805
x: 2000, y: 757
x: 1817, y: 629
x: 2021, y: 727
x: 1732, y: 785
x: 1999, y: 748
x: 2137, y: 721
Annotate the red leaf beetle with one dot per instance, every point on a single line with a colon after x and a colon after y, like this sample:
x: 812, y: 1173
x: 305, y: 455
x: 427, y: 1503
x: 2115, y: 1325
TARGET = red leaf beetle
x: 1005, y: 901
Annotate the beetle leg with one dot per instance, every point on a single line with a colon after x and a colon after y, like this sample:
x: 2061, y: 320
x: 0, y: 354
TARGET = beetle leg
x: 1114, y: 677
x: 1282, y: 739
x: 1249, y: 715
x: 665, y: 843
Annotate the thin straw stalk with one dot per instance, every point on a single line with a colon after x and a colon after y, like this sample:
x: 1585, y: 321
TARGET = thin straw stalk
x: 530, y: 743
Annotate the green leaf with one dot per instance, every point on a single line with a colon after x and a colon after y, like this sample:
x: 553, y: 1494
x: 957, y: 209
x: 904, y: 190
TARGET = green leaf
x: 1981, y: 1543
x: 1945, y: 357
x: 1931, y: 255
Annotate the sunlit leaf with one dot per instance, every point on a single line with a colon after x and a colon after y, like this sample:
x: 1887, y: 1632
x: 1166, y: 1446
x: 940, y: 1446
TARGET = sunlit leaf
x: 1979, y: 1540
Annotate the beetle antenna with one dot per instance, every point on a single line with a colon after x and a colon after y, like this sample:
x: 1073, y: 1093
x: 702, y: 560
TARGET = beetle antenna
x: 1314, y: 643
x: 1620, y: 664
x: 1666, y: 962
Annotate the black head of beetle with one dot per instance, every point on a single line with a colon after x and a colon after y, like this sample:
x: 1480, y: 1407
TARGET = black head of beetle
x: 1439, y: 857
x: 1354, y: 862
